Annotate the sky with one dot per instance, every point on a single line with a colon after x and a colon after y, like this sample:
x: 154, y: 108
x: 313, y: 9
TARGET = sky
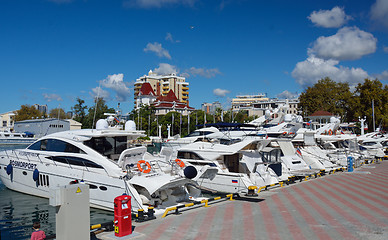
x: 53, y: 51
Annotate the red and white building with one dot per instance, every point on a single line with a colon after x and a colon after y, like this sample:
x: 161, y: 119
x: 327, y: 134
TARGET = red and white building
x: 163, y: 103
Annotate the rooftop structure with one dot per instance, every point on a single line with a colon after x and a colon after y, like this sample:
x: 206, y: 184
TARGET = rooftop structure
x: 170, y: 102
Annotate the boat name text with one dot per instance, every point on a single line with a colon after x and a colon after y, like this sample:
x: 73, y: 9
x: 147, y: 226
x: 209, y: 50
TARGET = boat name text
x: 21, y: 164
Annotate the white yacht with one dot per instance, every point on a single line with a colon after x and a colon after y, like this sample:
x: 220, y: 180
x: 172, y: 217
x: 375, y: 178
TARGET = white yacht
x: 13, y: 138
x: 240, y: 166
x: 91, y: 156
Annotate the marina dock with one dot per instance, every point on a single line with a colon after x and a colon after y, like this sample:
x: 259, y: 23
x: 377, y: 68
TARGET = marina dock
x: 342, y: 205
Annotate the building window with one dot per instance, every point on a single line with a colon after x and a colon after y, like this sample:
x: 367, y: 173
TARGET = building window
x: 4, y: 123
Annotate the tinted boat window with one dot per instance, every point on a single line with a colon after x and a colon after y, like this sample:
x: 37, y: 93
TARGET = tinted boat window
x: 189, y: 155
x: 35, y: 146
x: 75, y: 161
x: 55, y: 145
x: 108, y: 146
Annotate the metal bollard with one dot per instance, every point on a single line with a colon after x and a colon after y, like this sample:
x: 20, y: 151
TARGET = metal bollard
x: 151, y: 213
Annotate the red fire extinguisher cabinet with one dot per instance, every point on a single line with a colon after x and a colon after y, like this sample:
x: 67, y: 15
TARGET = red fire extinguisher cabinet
x: 122, y: 218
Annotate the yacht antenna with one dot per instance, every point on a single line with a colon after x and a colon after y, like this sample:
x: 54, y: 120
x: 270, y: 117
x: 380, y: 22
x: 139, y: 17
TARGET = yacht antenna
x: 95, y: 105
x: 373, y: 114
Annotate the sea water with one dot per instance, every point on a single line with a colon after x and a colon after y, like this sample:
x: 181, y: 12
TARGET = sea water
x: 18, y: 211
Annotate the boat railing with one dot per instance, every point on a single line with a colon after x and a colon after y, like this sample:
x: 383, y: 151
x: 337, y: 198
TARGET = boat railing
x: 20, y: 157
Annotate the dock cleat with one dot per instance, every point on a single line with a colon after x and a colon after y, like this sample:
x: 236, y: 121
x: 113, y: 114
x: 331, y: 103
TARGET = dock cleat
x: 252, y: 191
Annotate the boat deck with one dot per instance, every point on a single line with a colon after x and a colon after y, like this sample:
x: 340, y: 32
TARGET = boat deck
x: 337, y: 206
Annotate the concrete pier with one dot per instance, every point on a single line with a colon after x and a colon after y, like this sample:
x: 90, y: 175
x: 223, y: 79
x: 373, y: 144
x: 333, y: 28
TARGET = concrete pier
x: 337, y: 206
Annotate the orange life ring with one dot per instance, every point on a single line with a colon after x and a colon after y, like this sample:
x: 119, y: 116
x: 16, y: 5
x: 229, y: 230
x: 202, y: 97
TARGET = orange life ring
x: 141, y: 169
x: 180, y: 163
x: 284, y: 133
x: 330, y: 132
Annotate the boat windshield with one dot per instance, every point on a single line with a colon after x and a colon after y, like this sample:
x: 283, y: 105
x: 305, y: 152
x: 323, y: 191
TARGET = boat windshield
x: 111, y: 147
x: 199, y: 133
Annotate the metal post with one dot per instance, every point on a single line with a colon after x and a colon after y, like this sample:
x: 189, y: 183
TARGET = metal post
x: 373, y: 114
x: 188, y: 123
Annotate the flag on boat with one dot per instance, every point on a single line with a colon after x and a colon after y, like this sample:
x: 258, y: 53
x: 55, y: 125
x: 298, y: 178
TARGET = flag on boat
x: 298, y: 152
x: 116, y: 119
x: 234, y: 181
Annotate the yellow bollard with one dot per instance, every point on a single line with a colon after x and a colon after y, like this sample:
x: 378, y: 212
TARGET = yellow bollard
x: 230, y: 196
x: 206, y: 202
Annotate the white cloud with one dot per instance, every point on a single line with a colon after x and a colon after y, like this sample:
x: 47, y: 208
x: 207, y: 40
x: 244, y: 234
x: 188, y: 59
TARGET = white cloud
x: 313, y: 69
x: 158, y: 49
x: 333, y: 18
x: 382, y: 76
x: 117, y: 84
x: 385, y: 49
x: 349, y: 43
x: 220, y: 92
x: 165, y: 69
x: 287, y: 95
x: 171, y: 39
x: 207, y: 73
x: 99, y: 92
x: 379, y: 12
x: 51, y: 97
x: 157, y: 3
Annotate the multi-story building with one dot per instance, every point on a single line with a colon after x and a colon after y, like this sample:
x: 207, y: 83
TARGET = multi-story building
x: 42, y: 108
x: 211, y: 107
x: 162, y: 104
x: 162, y: 84
x: 257, y: 104
x: 7, y: 121
x: 246, y: 101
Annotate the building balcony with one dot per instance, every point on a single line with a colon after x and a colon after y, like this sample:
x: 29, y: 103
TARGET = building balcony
x: 165, y: 87
x: 185, y: 88
x: 185, y: 97
x: 165, y: 92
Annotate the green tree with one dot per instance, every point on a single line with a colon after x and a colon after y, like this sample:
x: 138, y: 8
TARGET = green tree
x: 94, y: 114
x: 27, y: 112
x: 79, y: 111
x: 372, y: 90
x: 57, y: 113
x: 329, y: 96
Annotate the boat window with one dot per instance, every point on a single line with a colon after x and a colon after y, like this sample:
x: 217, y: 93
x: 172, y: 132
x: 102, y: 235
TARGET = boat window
x: 189, y: 155
x: 55, y: 145
x: 35, y: 146
x: 199, y: 133
x: 229, y: 141
x: 369, y: 143
x: 75, y: 161
x: 271, y: 156
x: 108, y: 146
x: 201, y: 163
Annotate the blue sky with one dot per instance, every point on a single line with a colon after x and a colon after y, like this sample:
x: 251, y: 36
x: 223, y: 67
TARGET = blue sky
x: 53, y: 51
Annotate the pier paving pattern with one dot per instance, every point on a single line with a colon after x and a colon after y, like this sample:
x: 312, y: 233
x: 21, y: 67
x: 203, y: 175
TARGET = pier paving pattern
x: 338, y: 206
